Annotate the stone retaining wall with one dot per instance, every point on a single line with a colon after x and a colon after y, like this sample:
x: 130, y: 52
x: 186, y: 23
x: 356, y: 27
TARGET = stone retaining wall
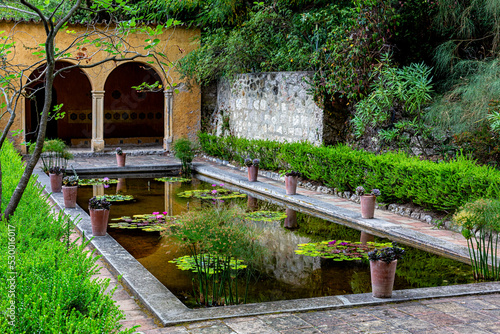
x: 273, y: 106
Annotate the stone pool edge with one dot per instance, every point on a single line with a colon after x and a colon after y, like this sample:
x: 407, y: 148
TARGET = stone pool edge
x: 157, y: 299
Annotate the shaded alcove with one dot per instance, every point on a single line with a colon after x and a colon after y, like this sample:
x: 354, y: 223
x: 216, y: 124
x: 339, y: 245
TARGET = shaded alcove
x: 71, y: 88
x: 129, y: 113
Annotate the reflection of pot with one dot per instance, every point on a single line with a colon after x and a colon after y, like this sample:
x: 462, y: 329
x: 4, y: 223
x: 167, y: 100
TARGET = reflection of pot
x: 291, y: 219
x: 366, y: 237
x: 382, y: 277
x: 252, y: 203
x: 121, y: 186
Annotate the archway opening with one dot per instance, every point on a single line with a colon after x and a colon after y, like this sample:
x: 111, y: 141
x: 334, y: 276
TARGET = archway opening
x: 133, y: 117
x: 72, y: 89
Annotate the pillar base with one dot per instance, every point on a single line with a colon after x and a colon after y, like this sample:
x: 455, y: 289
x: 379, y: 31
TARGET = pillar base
x: 167, y: 144
x: 97, y: 145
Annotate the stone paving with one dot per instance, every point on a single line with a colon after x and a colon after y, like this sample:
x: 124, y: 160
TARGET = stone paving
x: 470, y: 314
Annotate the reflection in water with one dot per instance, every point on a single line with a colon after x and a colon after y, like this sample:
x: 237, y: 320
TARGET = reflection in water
x: 366, y: 237
x: 252, y: 203
x: 283, y: 274
x: 291, y: 219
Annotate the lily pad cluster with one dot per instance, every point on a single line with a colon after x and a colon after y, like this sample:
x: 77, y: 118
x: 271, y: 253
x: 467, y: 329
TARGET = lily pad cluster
x: 172, y: 179
x: 117, y: 198
x: 213, y: 194
x: 340, y: 250
x: 268, y: 216
x: 94, y: 182
x: 152, y: 222
x: 208, y: 263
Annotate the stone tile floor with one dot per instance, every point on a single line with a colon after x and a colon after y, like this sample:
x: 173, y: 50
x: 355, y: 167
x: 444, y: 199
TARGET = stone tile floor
x: 470, y: 314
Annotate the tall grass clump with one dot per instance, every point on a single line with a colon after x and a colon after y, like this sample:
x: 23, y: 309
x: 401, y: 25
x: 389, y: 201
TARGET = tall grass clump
x: 222, y: 250
x: 480, y: 222
x: 48, y: 278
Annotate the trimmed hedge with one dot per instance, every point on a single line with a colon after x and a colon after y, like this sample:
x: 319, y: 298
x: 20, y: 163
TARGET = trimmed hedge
x: 53, y: 290
x: 440, y: 186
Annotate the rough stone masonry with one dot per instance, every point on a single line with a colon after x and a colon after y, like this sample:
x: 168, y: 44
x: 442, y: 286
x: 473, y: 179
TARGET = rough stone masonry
x: 272, y: 106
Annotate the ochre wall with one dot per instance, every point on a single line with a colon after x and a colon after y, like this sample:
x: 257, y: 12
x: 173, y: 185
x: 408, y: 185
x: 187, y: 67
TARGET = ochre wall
x: 174, y: 43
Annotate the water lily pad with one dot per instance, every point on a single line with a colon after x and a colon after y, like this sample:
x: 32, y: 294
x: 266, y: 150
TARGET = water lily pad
x: 117, y: 198
x: 213, y: 194
x: 173, y: 179
x: 147, y: 222
x: 94, y: 182
x: 268, y: 216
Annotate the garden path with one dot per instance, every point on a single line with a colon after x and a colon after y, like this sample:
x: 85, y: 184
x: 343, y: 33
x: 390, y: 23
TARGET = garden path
x: 469, y: 314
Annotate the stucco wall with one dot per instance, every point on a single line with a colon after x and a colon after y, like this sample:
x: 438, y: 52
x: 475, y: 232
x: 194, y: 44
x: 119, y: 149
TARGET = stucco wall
x: 273, y: 106
x: 174, y: 43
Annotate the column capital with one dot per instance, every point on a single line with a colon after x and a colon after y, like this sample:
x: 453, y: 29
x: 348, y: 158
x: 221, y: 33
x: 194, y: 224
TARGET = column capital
x: 168, y: 92
x: 98, y: 93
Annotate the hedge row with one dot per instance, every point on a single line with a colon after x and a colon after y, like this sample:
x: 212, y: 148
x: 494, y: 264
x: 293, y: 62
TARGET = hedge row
x: 400, y: 178
x: 47, y: 286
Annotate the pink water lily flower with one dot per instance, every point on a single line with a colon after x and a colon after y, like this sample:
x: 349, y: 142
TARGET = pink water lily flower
x: 165, y: 212
x: 214, y: 185
x: 156, y: 213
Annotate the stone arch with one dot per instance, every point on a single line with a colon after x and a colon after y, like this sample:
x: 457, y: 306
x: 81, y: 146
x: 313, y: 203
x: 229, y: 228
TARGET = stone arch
x: 73, y: 89
x: 129, y: 116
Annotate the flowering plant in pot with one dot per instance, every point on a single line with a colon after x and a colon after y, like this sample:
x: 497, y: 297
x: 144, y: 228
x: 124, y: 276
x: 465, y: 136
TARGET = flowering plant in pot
x: 253, y: 168
x: 120, y: 157
x: 56, y: 177
x: 69, y: 189
x: 383, y: 264
x: 367, y: 201
x: 291, y: 178
x: 99, y: 215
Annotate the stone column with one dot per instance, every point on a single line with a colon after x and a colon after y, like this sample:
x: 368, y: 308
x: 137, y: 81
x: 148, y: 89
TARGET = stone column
x: 97, y: 121
x: 168, y: 117
x: 169, y: 198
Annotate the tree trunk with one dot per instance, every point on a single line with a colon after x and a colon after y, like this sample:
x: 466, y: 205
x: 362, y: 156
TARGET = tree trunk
x: 30, y: 166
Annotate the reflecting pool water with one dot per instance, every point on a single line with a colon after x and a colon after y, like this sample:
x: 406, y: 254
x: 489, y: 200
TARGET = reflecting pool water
x: 283, y: 274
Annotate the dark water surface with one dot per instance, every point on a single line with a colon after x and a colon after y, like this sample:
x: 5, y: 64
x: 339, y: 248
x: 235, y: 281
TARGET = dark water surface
x: 284, y: 275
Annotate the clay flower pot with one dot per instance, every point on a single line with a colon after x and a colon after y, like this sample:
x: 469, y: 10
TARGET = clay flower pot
x: 291, y: 185
x: 99, y: 221
x: 56, y: 182
x: 291, y: 219
x: 382, y: 277
x: 120, y: 159
x: 368, y: 206
x: 253, y: 172
x: 69, y: 195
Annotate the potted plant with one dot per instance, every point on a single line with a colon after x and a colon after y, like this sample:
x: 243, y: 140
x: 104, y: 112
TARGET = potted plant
x: 120, y: 157
x: 99, y: 215
x: 383, y: 259
x: 56, y: 177
x: 184, y: 151
x: 253, y: 169
x: 291, y: 178
x: 367, y: 201
x: 69, y: 189
x: 383, y: 264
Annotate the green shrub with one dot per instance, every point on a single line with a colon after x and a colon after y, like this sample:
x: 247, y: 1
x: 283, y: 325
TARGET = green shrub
x: 53, y: 292
x: 400, y: 178
x: 184, y: 151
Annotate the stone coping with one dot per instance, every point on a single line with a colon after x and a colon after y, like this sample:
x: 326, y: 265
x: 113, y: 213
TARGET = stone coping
x: 169, y: 310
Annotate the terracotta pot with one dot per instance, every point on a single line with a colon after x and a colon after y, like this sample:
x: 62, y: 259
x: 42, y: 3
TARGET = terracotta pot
x: 291, y: 219
x: 253, y: 171
x: 120, y: 159
x: 366, y: 237
x: 99, y: 221
x: 56, y: 182
x: 121, y: 186
x: 367, y: 206
x: 291, y: 184
x: 69, y: 195
x: 382, y: 277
